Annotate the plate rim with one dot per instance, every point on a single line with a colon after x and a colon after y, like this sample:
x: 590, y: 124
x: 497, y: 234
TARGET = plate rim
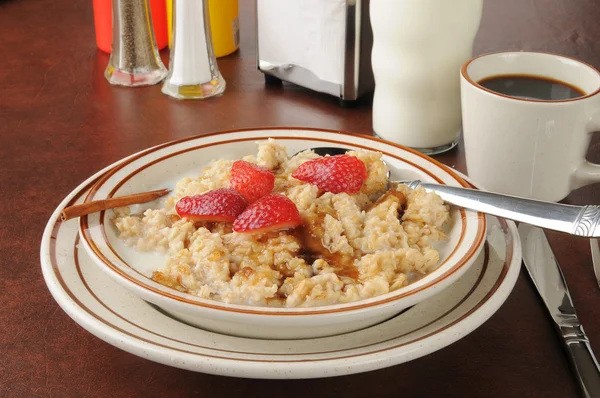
x: 231, y: 367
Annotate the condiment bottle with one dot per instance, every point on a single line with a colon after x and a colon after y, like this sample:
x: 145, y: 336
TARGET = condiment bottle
x: 134, y: 60
x: 103, y: 23
x: 419, y: 47
x: 193, y: 70
x: 224, y: 23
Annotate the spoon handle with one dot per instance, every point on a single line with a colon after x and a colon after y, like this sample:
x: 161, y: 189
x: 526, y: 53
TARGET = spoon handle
x: 576, y: 220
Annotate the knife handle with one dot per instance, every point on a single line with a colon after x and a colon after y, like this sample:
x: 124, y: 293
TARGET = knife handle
x: 583, y: 361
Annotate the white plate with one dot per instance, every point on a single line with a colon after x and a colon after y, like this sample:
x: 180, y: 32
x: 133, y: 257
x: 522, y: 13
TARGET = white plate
x: 162, y: 166
x: 122, y: 319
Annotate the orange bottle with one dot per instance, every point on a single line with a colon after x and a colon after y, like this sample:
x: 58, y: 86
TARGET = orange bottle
x: 103, y: 23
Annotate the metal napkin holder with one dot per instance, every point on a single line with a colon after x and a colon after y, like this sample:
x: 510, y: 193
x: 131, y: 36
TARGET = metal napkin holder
x: 358, y: 74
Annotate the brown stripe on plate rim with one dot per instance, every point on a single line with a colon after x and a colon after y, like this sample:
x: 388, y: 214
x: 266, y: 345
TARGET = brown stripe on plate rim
x: 144, y: 152
x: 84, y: 228
x: 54, y: 261
x: 499, y: 281
x: 216, y: 305
x: 146, y: 165
x: 469, y: 293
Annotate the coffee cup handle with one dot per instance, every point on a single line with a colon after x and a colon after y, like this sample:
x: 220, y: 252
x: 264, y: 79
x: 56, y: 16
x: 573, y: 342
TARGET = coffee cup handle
x: 587, y: 173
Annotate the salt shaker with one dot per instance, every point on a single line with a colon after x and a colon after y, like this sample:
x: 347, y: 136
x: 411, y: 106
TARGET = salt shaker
x: 224, y: 25
x: 193, y: 70
x: 134, y: 60
x: 419, y: 47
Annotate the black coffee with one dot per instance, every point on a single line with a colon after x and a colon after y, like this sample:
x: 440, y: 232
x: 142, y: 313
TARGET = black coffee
x: 531, y: 87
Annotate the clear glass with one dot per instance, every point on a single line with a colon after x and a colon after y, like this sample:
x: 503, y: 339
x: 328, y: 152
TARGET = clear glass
x: 436, y: 150
x: 134, y: 60
x: 193, y: 70
x: 418, y: 50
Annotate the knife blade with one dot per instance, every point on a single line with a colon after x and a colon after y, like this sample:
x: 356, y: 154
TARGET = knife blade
x: 595, y: 244
x: 547, y: 276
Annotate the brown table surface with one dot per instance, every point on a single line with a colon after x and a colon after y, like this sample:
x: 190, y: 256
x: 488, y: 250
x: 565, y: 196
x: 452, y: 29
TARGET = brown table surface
x: 60, y: 122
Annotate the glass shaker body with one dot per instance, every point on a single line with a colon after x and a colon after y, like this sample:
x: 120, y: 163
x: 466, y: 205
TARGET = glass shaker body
x: 193, y: 70
x: 134, y: 60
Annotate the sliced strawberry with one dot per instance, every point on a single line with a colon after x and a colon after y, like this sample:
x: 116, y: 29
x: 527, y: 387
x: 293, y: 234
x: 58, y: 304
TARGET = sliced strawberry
x: 340, y: 173
x: 269, y: 213
x: 251, y: 180
x: 219, y: 205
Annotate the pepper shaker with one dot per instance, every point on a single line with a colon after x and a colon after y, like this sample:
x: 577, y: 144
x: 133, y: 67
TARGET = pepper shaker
x: 103, y: 23
x: 193, y: 70
x: 134, y: 60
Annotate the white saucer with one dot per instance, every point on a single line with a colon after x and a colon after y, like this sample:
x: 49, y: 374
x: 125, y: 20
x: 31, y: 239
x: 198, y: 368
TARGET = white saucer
x: 108, y: 311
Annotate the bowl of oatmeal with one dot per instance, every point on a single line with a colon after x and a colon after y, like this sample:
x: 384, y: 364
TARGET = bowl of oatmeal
x: 261, y: 237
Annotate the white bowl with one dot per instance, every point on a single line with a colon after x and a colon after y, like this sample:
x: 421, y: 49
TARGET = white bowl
x: 162, y: 166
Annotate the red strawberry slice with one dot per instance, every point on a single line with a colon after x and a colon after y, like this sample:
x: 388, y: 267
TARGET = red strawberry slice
x: 340, y: 173
x: 251, y: 180
x: 269, y: 213
x: 219, y: 205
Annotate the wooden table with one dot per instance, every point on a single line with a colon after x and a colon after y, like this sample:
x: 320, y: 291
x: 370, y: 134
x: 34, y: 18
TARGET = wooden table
x: 60, y: 122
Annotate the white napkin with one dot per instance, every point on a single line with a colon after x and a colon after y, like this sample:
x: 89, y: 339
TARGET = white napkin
x: 307, y: 33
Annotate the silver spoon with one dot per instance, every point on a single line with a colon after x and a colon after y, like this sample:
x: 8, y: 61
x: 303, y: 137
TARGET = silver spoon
x: 576, y: 220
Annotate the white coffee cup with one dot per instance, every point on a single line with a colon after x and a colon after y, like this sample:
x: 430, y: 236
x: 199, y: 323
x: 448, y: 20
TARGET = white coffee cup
x: 527, y: 147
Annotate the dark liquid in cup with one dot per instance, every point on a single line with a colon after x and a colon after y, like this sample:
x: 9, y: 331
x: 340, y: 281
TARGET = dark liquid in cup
x: 531, y: 87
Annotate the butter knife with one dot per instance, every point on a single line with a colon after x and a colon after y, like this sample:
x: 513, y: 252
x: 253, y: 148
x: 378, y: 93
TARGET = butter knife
x: 595, y: 243
x: 550, y: 283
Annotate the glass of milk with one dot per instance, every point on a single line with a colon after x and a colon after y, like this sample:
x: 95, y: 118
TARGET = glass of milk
x: 419, y: 47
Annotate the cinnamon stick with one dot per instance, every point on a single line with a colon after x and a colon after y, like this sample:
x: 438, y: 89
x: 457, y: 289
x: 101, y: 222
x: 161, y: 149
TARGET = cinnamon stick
x: 105, y: 204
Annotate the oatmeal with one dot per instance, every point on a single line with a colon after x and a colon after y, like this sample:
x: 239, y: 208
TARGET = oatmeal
x: 336, y: 247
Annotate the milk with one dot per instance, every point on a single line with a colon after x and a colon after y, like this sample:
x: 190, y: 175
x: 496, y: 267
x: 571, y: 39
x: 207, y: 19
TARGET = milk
x: 419, y: 47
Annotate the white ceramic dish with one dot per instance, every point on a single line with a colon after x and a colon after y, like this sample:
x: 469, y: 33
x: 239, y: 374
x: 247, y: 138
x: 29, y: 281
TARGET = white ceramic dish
x: 162, y: 166
x: 112, y: 313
